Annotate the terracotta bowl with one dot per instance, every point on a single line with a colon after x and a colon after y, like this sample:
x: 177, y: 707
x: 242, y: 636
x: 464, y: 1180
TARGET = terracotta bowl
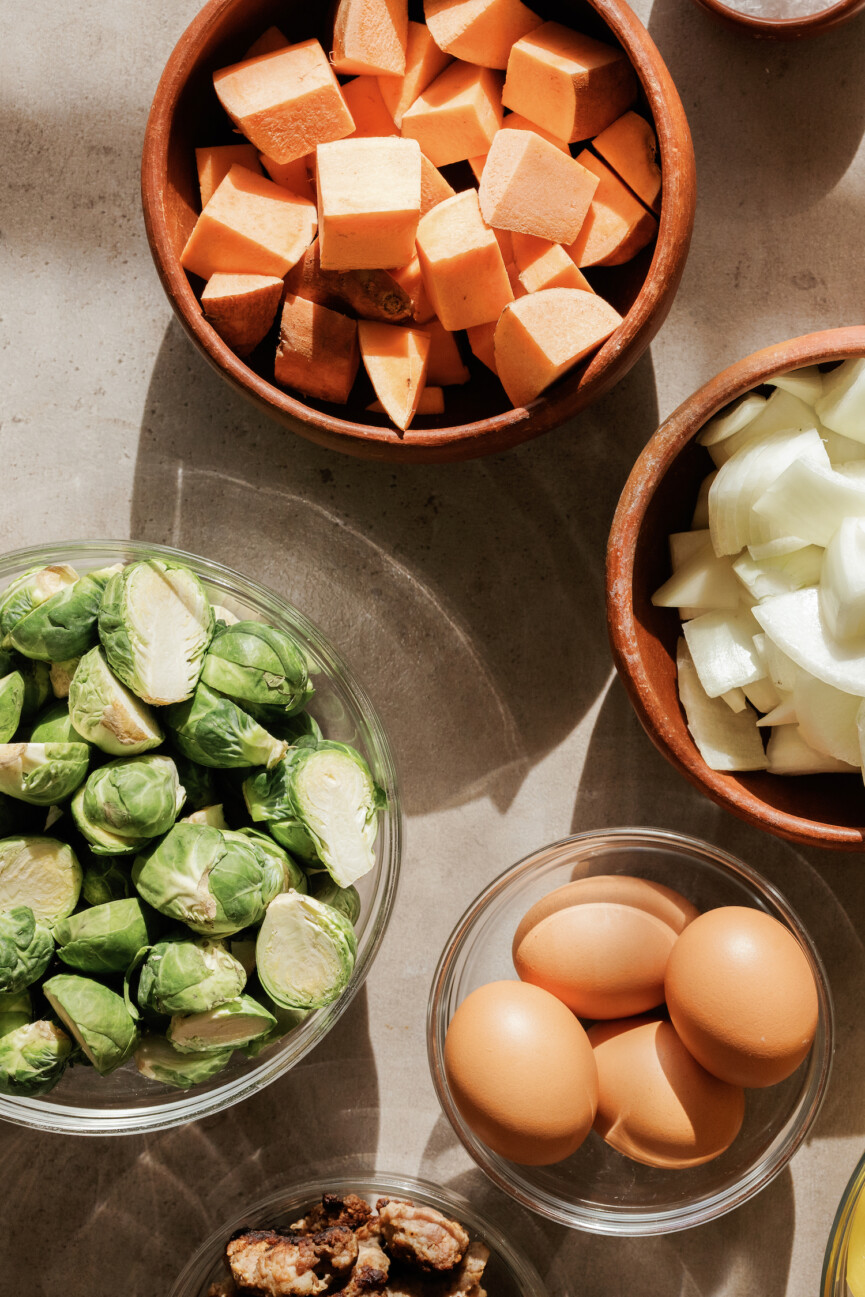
x: 784, y: 29
x: 659, y: 497
x: 186, y: 113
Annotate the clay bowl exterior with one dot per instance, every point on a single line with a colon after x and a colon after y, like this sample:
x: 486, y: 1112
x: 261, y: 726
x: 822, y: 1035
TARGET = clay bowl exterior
x: 659, y: 496
x: 186, y: 113
x: 784, y: 29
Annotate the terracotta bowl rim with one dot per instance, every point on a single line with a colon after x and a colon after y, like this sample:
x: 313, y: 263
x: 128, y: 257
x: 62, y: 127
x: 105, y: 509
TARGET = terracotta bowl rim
x: 784, y: 29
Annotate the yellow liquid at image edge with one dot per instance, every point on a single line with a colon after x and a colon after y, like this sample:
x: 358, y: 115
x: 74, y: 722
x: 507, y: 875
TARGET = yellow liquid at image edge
x: 856, y: 1252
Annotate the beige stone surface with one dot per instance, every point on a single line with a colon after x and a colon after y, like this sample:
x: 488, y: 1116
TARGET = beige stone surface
x: 469, y: 599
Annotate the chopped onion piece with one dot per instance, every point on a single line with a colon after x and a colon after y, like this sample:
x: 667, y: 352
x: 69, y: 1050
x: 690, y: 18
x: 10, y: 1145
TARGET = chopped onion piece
x: 842, y: 585
x: 852, y: 469
x: 701, y: 509
x: 783, y: 714
x: 842, y: 405
x: 726, y: 740
x: 733, y: 419
x: 762, y: 694
x: 841, y: 450
x: 735, y: 700
x: 775, y: 548
x: 795, y: 624
x: 702, y: 581
x: 828, y: 719
x: 744, y: 479
x: 684, y: 544
x: 810, y: 500
x: 778, y: 575
x: 783, y: 412
x: 722, y: 648
x: 781, y: 669
x: 806, y: 383
x: 789, y: 754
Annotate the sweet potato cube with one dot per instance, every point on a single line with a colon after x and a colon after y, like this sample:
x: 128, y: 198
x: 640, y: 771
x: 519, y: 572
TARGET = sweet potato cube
x: 528, y: 185
x: 371, y: 294
x: 368, y: 202
x: 617, y: 227
x: 540, y: 337
x: 630, y: 148
x: 446, y: 368
x: 291, y: 175
x: 434, y: 189
x: 457, y: 116
x: 267, y: 42
x: 410, y: 279
x: 482, y: 342
x: 431, y: 401
x: 516, y: 122
x: 317, y: 352
x: 505, y: 240
x: 396, y: 360
x: 542, y: 264
x: 369, y: 36
x: 424, y: 61
x: 570, y: 84
x: 215, y: 162
x: 477, y: 165
x: 241, y: 308
x: 250, y: 227
x: 462, y: 264
x: 479, y: 31
x: 287, y: 102
x: 371, y: 117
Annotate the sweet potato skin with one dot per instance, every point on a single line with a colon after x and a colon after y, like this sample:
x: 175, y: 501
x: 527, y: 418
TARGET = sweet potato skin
x: 318, y: 351
x: 370, y: 294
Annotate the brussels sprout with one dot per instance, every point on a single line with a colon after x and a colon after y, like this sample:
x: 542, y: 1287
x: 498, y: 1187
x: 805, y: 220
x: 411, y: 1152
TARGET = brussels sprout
x: 128, y: 802
x: 197, y: 780
x: 105, y: 938
x: 155, y: 624
x: 260, y: 668
x: 106, y: 879
x: 305, y: 952
x: 96, y: 1017
x: 344, y: 899
x: 229, y: 1026
x: 287, y: 1020
x: 299, y: 731
x: 28, y: 591
x: 26, y: 949
x: 64, y: 625
x: 213, y: 882
x: 41, y: 873
x: 212, y: 815
x: 11, y: 704
x: 33, y: 1059
x: 321, y: 803
x: 55, y: 726
x: 15, y: 1011
x: 224, y: 615
x: 37, y: 686
x: 107, y: 714
x: 287, y: 870
x: 60, y: 674
x: 42, y: 774
x: 158, y: 1060
x: 182, y: 975
x: 214, y: 731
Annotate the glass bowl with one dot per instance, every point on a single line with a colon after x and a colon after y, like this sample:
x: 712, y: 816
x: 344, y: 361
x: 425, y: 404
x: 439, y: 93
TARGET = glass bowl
x: 126, y: 1102
x: 598, y: 1189
x: 508, y: 1272
x: 834, y: 1281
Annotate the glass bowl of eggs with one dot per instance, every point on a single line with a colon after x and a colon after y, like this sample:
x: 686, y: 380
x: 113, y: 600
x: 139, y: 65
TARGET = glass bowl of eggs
x: 630, y: 1031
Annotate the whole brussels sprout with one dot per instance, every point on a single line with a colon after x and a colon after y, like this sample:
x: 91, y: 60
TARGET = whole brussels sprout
x: 260, y: 668
x: 26, y: 949
x: 126, y: 803
x: 212, y: 815
x: 344, y: 899
x: 28, y: 591
x: 197, y: 780
x: 285, y: 870
x: 55, y: 726
x: 155, y: 624
x: 33, y: 1059
x: 105, y: 938
x: 214, y: 731
x: 95, y: 1016
x: 106, y: 878
x: 299, y: 731
x: 183, y: 975
x: 41, y: 873
x: 105, y: 713
x: 64, y: 625
x: 229, y: 1026
x: 42, y: 774
x: 16, y: 1010
x: 305, y: 952
x: 11, y: 704
x: 158, y: 1060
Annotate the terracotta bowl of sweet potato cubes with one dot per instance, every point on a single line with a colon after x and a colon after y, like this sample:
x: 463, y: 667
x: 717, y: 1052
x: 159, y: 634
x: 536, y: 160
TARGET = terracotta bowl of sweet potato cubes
x: 734, y: 599
x: 419, y: 230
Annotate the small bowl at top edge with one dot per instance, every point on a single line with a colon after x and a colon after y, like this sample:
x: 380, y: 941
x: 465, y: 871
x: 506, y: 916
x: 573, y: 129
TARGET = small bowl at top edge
x: 795, y: 28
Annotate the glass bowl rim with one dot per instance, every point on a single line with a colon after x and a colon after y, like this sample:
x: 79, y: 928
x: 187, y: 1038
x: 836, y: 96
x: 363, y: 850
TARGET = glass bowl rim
x: 837, y: 1245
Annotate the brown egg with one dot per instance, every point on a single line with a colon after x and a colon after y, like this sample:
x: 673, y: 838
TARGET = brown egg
x: 620, y: 889
x: 521, y: 1072
x: 601, y: 960
x: 656, y: 1104
x: 742, y: 996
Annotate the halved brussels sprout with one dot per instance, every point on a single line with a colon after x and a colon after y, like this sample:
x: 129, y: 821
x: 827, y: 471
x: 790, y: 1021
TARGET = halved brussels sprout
x: 158, y: 1060
x: 41, y: 873
x: 183, y: 975
x: 105, y: 938
x: 60, y: 675
x: 212, y: 815
x: 32, y: 1059
x: 104, y: 712
x: 260, y: 668
x: 215, y: 883
x: 155, y: 624
x: 11, y: 704
x: 344, y: 899
x: 107, y: 878
x: 26, y: 949
x: 126, y: 803
x: 28, y: 591
x: 37, y: 685
x: 305, y: 952
x: 287, y: 1020
x: 229, y: 1026
x: 16, y: 1010
x: 96, y: 1017
x: 288, y: 871
x: 42, y: 774
x: 214, y: 731
x: 321, y: 803
x: 198, y: 781
x: 55, y: 726
x: 64, y: 625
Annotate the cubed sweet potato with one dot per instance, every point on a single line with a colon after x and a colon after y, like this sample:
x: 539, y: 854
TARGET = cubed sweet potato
x: 541, y: 336
x: 368, y: 109
x: 368, y: 202
x: 241, y: 308
x: 369, y: 36
x: 479, y: 31
x: 430, y: 401
x: 424, y: 61
x: 396, y: 361
x: 371, y: 294
x: 542, y: 264
x: 410, y: 279
x: 630, y: 148
x: 267, y: 43
x: 215, y: 162
x: 482, y: 342
x: 530, y: 186
x: 617, y: 227
x: 462, y: 264
x: 434, y: 189
x: 294, y: 176
x: 446, y: 368
x: 457, y: 116
x: 317, y: 352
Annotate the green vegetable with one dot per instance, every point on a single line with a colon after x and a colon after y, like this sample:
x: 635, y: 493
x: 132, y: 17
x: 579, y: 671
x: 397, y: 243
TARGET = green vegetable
x: 26, y: 949
x: 214, y: 731
x: 287, y: 1020
x: 16, y: 1010
x: 11, y: 704
x: 198, y: 781
x: 261, y: 669
x: 107, y: 714
x: 64, y: 625
x: 96, y: 1017
x: 305, y: 952
x: 60, y: 675
x: 182, y: 975
x: 55, y: 726
x: 105, y: 938
x: 229, y: 1026
x: 158, y: 1060
x: 28, y: 591
x: 42, y: 773
x: 212, y: 815
x: 344, y: 899
x: 155, y: 624
x: 106, y: 879
x: 37, y: 686
x: 286, y: 870
x: 41, y: 873
x: 32, y: 1059
x: 126, y: 803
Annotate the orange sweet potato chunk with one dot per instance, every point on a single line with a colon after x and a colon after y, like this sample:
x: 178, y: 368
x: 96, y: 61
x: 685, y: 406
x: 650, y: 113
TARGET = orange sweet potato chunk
x: 434, y: 189
x: 370, y: 294
x: 541, y: 264
x: 446, y: 368
x: 457, y: 116
x: 530, y: 186
x: 617, y: 227
x: 462, y: 264
x: 410, y: 279
x: 516, y: 122
x: 424, y: 61
x: 570, y: 84
x: 241, y: 308
x: 318, y: 351
x: 540, y: 337
x: 479, y: 31
x: 215, y: 162
x: 286, y: 102
x: 292, y: 175
x: 250, y: 227
x: 267, y: 42
x: 369, y: 36
x: 368, y: 202
x: 630, y: 148
x: 431, y: 401
x: 367, y: 107
x: 396, y: 360
x: 482, y: 342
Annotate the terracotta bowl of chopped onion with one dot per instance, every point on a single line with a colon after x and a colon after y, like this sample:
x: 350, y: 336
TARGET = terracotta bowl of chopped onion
x: 659, y: 499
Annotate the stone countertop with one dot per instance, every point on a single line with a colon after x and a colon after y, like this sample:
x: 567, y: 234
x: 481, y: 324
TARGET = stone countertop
x: 469, y: 599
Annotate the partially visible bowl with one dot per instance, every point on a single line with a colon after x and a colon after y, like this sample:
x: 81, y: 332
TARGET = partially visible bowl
x: 597, y: 1189
x: 508, y: 1273
x: 846, y: 1243
x: 186, y: 113
x: 125, y: 1102
x: 659, y: 498
x: 793, y: 28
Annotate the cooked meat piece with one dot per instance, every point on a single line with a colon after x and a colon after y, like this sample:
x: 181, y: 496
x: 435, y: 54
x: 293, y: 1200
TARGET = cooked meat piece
x: 369, y: 1278
x: 276, y: 1263
x: 465, y: 1282
x: 334, y: 1210
x: 421, y: 1235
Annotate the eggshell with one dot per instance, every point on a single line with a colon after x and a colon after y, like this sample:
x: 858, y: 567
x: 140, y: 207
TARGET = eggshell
x: 742, y: 996
x: 656, y: 1104
x: 601, y: 960
x: 521, y: 1072
x: 620, y: 889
